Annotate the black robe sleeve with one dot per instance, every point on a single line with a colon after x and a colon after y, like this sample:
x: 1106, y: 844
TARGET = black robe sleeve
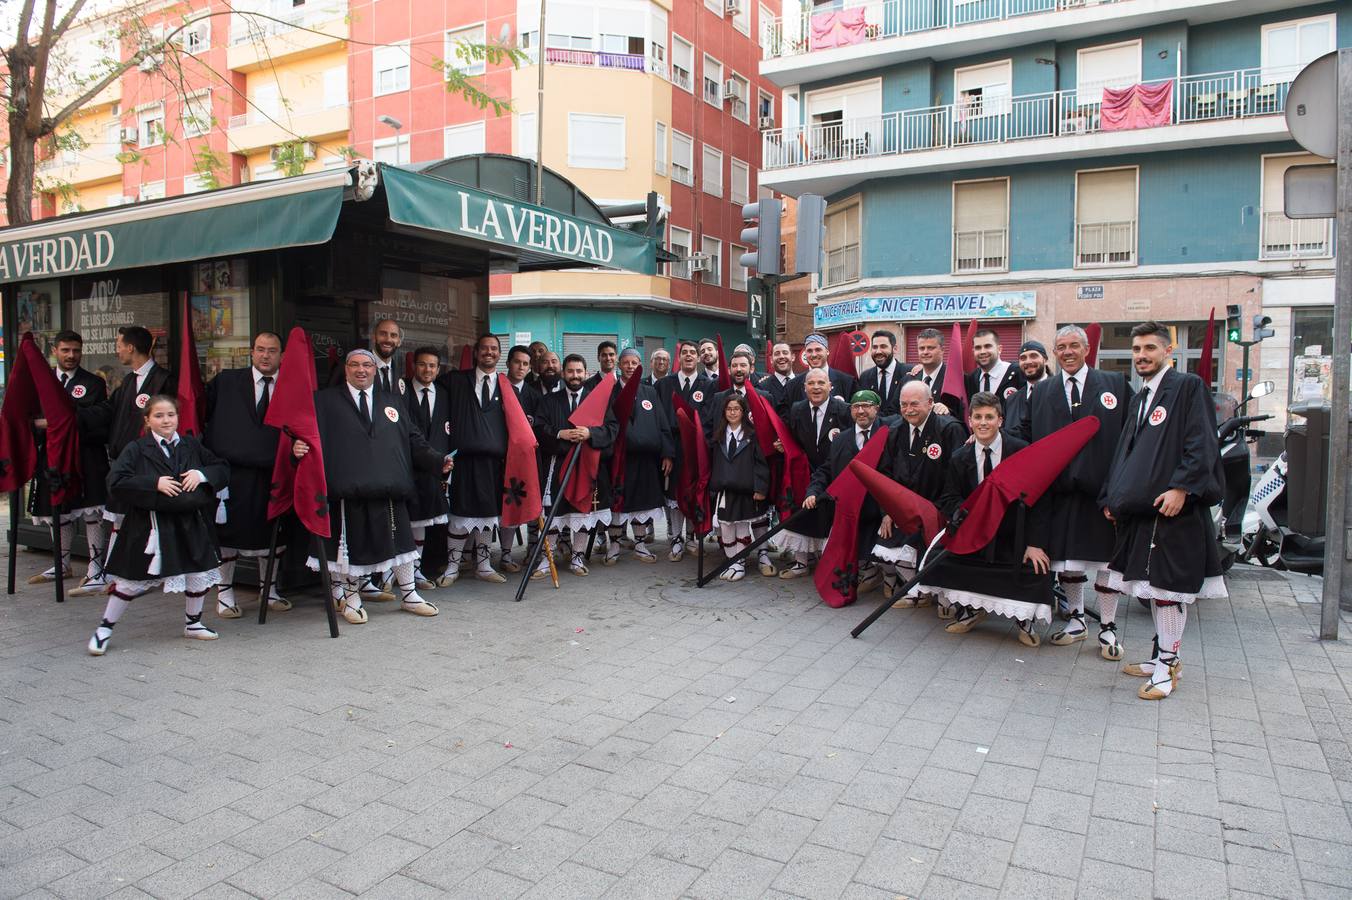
x: 1196, y: 471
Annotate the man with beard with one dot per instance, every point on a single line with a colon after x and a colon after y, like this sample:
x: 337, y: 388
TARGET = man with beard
x: 90, y: 394
x: 385, y: 340
x: 649, y: 449
x: 815, y: 422
x: 815, y: 350
x: 929, y: 349
x: 548, y: 381
x: 992, y: 374
x: 518, y: 370
x: 370, y: 453
x: 430, y: 407
x: 708, y: 359
x: 1033, y: 364
x: 659, y: 366
x: 557, y: 437
x: 1079, y: 539
x: 607, y: 355
x: 479, y: 440
x: 539, y: 354
x: 739, y: 369
x: 1165, y: 476
x: 775, y: 385
x: 883, y: 377
x: 917, y: 456
x: 237, y: 401
x: 695, y: 389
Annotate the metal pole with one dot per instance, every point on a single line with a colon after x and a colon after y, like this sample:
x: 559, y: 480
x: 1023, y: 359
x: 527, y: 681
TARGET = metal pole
x: 269, y: 571
x: 327, y: 579
x: 56, y: 554
x: 13, y: 538
x: 540, y: 114
x: 1337, y: 567
x: 1244, y: 373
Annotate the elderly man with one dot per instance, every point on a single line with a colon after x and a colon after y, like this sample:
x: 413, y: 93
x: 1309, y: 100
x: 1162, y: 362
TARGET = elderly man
x: 370, y: 452
x: 918, y: 454
x: 815, y: 350
x: 815, y: 422
x: 659, y: 366
x: 1033, y: 364
x: 649, y: 448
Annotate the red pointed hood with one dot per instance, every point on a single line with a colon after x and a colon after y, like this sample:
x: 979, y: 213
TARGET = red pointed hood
x: 724, y: 376
x: 1093, y: 337
x: 968, y: 351
x: 299, y: 485
x: 521, y: 500
x: 842, y: 358
x: 192, y: 392
x: 692, y: 497
x: 466, y: 357
x: 590, y: 413
x: 909, y: 511
x: 18, y: 451
x: 955, y: 386
x: 1204, y: 362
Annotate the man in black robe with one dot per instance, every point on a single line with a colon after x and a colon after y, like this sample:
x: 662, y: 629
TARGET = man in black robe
x: 930, y: 367
x: 90, y: 394
x: 479, y: 440
x: 1079, y: 539
x: 992, y: 374
x: 917, y: 456
x: 539, y: 354
x: 695, y: 389
x: 371, y: 450
x: 708, y: 359
x: 1033, y: 364
x: 1011, y: 575
x: 659, y: 367
x: 237, y: 401
x: 775, y: 384
x: 607, y: 357
x: 649, y: 449
x: 884, y: 376
x: 430, y: 408
x: 844, y: 447
x: 386, y: 338
x: 815, y: 421
x: 557, y: 436
x: 1165, y: 476
x: 815, y: 351
x: 518, y: 370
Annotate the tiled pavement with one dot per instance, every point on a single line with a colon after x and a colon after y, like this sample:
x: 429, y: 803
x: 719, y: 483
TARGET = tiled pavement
x: 630, y: 736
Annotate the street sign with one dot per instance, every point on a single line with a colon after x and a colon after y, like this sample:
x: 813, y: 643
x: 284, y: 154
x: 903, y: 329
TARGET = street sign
x: 755, y: 308
x: 1310, y: 192
x: 858, y: 342
x: 1312, y: 106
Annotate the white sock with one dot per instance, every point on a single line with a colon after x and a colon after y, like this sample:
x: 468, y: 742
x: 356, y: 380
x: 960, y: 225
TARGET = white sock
x: 1170, y: 622
x: 192, y: 603
x: 1074, y: 591
x: 727, y: 539
x: 225, y: 591
x: 405, y: 583
x: 455, y: 546
x: 94, y: 538
x: 677, y: 531
x: 118, y: 601
x: 801, y: 558
x: 67, y: 538
x: 483, y: 552
x: 351, y: 595
x: 1107, y: 601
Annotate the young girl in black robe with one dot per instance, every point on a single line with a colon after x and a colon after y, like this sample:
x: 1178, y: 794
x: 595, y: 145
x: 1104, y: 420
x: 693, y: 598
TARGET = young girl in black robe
x: 168, y: 486
x: 739, y: 480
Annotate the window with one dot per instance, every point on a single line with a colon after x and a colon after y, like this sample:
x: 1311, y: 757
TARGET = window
x: 740, y: 173
x: 741, y: 104
x: 768, y: 27
x: 1289, y: 46
x: 150, y: 125
x: 715, y: 7
x: 195, y: 183
x: 660, y: 148
x: 267, y: 103
x: 682, y: 158
x: 526, y: 135
x: 1285, y: 238
x: 711, y: 171
x: 595, y: 142
x: 765, y: 109
x: 1113, y: 66
x: 1105, y: 218
x: 335, y: 87
x: 455, y: 49
x: 737, y: 273
x: 264, y: 172
x: 657, y: 41
x: 463, y: 140
x: 981, y: 225
x: 393, y: 151
x: 679, y: 244
x: 682, y: 63
x: 152, y: 190
x: 713, y: 249
x: 196, y: 37
x: 741, y: 16
x: 391, y: 66
x: 713, y: 81
x: 196, y: 115
x: 842, y: 246
x: 982, y: 90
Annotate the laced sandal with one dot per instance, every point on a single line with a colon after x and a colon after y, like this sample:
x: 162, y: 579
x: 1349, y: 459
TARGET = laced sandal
x: 1065, y: 637
x: 194, y: 629
x: 1110, y: 648
x: 677, y: 552
x: 1027, y: 636
x: 969, y: 619
x: 1153, y: 690
x: 643, y: 554
x: 99, y: 645
x: 49, y: 576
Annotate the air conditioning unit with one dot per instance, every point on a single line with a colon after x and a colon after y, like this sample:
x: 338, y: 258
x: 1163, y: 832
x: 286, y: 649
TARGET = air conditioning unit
x: 151, y: 63
x: 765, y: 122
x: 701, y: 262
x: 734, y: 7
x: 732, y: 90
x: 129, y: 136
x: 274, y: 155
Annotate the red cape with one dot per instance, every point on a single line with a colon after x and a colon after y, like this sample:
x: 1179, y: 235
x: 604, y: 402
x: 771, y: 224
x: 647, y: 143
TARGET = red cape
x: 910, y: 512
x: 590, y: 413
x: 18, y: 450
x: 521, y: 500
x: 192, y: 393
x: 624, y: 407
x: 692, y: 494
x: 837, y: 574
x: 796, y: 471
x: 298, y: 484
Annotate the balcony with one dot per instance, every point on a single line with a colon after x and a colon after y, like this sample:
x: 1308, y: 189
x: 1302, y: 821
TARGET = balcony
x: 88, y: 166
x: 1285, y: 238
x: 256, y: 130
x: 1099, y: 244
x: 852, y: 36
x: 981, y: 251
x: 257, y: 42
x: 1200, y: 110
x: 633, y: 62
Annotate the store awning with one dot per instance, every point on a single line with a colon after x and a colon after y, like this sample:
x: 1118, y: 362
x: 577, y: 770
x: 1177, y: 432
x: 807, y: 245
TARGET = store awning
x: 525, y: 230
x: 266, y: 215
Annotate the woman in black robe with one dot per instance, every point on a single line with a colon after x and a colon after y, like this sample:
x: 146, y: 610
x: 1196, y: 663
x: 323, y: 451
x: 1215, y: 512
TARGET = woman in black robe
x: 739, y: 481
x: 167, y: 484
x: 648, y: 452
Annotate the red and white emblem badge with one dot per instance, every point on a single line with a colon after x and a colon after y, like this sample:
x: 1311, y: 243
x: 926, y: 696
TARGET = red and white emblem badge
x: 1158, y: 415
x: 1108, y: 399
x: 403, y: 388
x: 1010, y: 392
x: 698, y: 396
x: 142, y: 400
x: 78, y: 391
x: 934, y: 451
x: 832, y: 434
x: 648, y: 405
x: 393, y: 414
x: 448, y: 427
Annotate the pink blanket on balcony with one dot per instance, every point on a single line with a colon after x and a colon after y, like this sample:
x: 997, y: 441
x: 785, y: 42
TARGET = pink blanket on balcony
x: 1139, y: 106
x: 837, y: 28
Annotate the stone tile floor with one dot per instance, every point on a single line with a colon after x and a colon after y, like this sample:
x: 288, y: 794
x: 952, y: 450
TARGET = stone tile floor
x: 632, y: 736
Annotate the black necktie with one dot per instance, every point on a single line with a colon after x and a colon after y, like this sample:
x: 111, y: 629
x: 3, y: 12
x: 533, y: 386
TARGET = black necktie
x: 929, y: 381
x: 986, y: 382
x: 915, y: 440
x: 863, y: 438
x: 484, y: 394
x: 685, y: 386
x: 363, y: 409
x: 572, y: 401
x: 732, y: 444
x: 65, y: 379
x: 266, y: 398
x: 168, y: 447
x: 426, y: 409
x: 1074, y: 393
x: 882, y: 382
x: 986, y: 466
x: 817, y: 422
x: 1145, y: 407
x: 385, y: 377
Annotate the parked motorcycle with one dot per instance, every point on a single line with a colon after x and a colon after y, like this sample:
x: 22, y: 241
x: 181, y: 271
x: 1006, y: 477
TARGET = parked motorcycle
x: 1266, y: 539
x: 1234, y: 436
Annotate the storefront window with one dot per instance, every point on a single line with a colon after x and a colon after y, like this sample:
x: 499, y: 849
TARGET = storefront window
x: 102, y: 305
x: 219, y: 303
x: 39, y: 311
x: 1311, y: 361
x: 1115, y: 348
x: 431, y: 310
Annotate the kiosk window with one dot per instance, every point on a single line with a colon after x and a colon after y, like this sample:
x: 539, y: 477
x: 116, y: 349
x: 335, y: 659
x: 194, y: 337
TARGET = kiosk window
x: 100, y: 306
x: 219, y: 306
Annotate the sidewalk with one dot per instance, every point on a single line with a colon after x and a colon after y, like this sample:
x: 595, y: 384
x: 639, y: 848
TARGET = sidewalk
x: 631, y: 736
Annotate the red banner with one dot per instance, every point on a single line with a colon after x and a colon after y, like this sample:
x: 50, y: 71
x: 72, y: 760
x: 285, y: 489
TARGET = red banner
x: 298, y: 484
x: 1139, y: 106
x: 521, y: 500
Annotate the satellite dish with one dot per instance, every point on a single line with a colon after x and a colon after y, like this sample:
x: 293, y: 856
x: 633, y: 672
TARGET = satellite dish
x: 1312, y: 106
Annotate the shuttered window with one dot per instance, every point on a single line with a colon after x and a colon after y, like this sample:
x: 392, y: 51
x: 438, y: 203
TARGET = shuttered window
x: 584, y: 345
x: 1115, y: 66
x: 1009, y: 333
x: 842, y: 246
x: 1105, y: 218
x: 981, y: 226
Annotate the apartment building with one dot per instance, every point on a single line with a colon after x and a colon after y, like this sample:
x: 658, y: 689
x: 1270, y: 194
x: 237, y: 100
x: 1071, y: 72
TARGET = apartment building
x: 1040, y: 162
x: 639, y: 96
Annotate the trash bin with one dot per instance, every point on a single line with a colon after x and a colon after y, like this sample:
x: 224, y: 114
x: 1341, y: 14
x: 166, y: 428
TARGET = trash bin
x: 1307, y: 479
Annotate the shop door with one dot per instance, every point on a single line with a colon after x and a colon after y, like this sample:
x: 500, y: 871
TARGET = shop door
x: 584, y: 345
x: 1010, y: 334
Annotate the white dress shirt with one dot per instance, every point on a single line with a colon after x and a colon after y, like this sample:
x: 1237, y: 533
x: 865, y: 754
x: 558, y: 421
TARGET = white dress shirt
x: 142, y: 372
x: 258, y: 385
x: 997, y: 374
x: 997, y: 448
x: 1079, y: 380
x: 1153, y: 385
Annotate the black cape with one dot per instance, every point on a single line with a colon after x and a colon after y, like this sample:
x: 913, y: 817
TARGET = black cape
x: 817, y: 448
x: 648, y: 440
x: 429, y: 487
x: 552, y: 418
x: 236, y: 433
x: 479, y: 437
x: 925, y: 470
x: 90, y: 393
x: 735, y: 478
x: 868, y: 381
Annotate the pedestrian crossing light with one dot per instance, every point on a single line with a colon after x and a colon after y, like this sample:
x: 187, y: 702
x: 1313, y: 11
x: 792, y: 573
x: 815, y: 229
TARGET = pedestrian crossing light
x: 1232, y: 319
x: 762, y: 236
x: 1260, y: 327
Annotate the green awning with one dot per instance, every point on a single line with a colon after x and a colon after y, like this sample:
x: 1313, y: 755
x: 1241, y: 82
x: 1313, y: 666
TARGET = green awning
x: 266, y: 215
x: 435, y: 204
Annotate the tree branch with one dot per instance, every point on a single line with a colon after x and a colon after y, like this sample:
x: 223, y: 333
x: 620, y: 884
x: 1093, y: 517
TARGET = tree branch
x: 25, y: 22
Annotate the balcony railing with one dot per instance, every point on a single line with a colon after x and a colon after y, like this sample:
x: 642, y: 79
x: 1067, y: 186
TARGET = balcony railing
x: 634, y: 62
x: 1247, y: 93
x: 257, y: 25
x: 280, y: 117
x: 842, y: 24
x: 981, y: 251
x: 1105, y: 243
x: 1285, y: 238
x: 842, y: 265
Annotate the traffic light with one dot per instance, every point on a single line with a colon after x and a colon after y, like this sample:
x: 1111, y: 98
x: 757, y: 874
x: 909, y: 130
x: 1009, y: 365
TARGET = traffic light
x: 762, y: 236
x: 1232, y: 332
x: 1260, y: 327
x: 809, y: 234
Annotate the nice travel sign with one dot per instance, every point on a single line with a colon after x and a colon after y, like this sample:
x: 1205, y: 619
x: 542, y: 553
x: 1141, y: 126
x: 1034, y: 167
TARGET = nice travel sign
x: 928, y: 308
